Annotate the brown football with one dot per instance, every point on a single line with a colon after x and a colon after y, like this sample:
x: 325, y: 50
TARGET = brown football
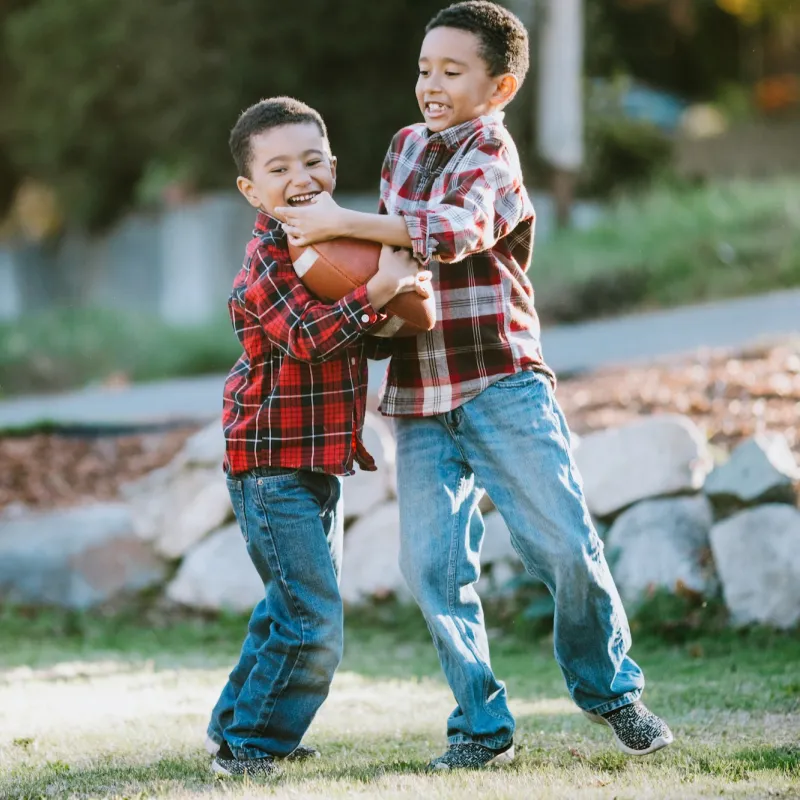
x: 330, y: 270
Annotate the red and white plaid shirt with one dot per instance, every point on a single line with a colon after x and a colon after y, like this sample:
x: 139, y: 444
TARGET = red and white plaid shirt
x: 472, y: 223
x: 297, y: 396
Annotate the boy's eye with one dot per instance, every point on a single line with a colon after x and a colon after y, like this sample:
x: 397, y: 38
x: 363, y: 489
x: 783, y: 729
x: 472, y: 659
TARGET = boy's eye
x: 424, y: 73
x: 314, y: 162
x: 278, y: 170
x: 452, y: 74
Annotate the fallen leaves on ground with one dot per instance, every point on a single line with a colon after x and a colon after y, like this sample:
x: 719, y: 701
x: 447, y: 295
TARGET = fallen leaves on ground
x: 730, y: 395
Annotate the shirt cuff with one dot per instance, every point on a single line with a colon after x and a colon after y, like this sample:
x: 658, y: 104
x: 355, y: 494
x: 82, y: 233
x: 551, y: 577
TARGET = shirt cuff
x: 418, y: 233
x: 358, y: 308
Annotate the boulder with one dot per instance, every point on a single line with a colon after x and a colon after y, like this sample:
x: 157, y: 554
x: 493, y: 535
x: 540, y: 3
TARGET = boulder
x: 206, y: 448
x: 653, y: 457
x: 75, y: 558
x: 371, y: 567
x: 662, y: 544
x: 365, y: 491
x: 217, y: 575
x: 760, y: 470
x: 176, y: 509
x: 757, y: 553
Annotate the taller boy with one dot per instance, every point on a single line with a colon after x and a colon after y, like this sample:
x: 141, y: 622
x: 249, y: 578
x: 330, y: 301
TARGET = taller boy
x: 474, y: 398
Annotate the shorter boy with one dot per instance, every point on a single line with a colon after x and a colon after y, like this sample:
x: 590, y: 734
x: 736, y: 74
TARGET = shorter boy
x: 293, y: 413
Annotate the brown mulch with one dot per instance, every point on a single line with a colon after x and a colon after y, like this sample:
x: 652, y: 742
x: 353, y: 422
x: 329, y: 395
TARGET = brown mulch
x: 48, y: 470
x: 731, y: 396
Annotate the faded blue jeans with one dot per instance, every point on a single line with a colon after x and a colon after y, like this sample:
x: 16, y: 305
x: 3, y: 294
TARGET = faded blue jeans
x: 292, y: 523
x: 512, y: 441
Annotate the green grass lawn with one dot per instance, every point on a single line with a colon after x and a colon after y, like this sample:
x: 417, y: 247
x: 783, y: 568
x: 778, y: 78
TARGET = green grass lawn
x: 111, y: 709
x: 671, y: 246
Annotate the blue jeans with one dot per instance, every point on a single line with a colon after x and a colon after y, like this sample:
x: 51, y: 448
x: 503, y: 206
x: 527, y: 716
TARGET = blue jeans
x: 512, y: 441
x: 293, y: 526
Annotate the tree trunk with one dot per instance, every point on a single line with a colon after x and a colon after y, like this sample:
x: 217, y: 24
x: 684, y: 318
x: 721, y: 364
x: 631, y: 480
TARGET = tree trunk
x: 560, y: 109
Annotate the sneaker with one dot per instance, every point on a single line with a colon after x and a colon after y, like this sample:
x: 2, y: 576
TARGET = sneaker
x: 637, y: 730
x: 471, y: 755
x: 225, y: 765
x: 300, y: 753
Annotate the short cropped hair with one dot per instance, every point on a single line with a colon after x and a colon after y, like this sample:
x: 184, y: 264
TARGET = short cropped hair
x: 263, y: 116
x: 503, y: 37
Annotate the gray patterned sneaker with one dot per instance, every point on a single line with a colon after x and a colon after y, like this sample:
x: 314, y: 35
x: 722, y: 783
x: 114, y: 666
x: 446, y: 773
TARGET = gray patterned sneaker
x: 300, y: 753
x: 241, y: 768
x: 471, y: 755
x: 225, y: 764
x: 637, y: 730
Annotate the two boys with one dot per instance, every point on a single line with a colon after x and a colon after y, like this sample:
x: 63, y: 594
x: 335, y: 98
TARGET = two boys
x: 473, y: 400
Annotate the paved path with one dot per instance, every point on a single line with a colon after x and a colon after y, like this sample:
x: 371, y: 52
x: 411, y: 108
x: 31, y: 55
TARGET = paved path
x: 568, y: 348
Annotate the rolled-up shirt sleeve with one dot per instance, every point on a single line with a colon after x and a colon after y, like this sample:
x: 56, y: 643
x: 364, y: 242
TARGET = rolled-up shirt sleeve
x: 484, y: 202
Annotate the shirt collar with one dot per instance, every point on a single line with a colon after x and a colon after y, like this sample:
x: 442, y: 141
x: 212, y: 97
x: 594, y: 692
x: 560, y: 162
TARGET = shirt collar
x: 454, y: 137
x: 265, y: 223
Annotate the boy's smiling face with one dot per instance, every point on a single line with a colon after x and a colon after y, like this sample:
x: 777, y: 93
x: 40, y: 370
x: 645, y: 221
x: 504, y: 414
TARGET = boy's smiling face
x: 454, y: 84
x: 289, y: 166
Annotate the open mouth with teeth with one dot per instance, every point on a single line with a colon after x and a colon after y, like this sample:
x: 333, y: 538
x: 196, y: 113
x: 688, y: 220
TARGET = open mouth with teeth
x: 302, y: 199
x: 433, y: 109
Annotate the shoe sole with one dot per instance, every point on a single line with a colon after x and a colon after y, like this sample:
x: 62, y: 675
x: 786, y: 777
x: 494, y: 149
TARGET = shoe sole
x: 501, y: 759
x: 659, y: 743
x: 218, y: 769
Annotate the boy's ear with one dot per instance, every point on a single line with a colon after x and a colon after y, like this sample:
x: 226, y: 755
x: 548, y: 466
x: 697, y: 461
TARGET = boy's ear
x: 333, y: 170
x: 505, y: 89
x: 245, y: 186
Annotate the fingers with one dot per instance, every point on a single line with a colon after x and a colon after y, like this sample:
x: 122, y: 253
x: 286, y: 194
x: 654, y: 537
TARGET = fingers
x: 423, y: 289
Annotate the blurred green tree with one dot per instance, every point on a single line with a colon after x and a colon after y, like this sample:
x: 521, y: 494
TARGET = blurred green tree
x: 100, y: 95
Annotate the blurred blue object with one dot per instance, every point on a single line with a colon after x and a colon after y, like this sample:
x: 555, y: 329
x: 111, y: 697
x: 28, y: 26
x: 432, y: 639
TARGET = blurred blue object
x: 650, y: 105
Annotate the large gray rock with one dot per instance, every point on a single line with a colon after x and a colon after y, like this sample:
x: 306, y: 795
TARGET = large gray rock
x: 660, y: 455
x: 662, y: 544
x: 206, y: 448
x: 757, y: 553
x: 365, y: 491
x: 74, y: 558
x: 176, y: 509
x: 371, y: 566
x: 760, y: 470
x: 217, y: 574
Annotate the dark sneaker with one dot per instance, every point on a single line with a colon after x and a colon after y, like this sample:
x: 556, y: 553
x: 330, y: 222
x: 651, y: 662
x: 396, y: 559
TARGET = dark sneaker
x: 471, y: 755
x: 637, y: 730
x: 241, y: 768
x: 300, y: 753
x: 226, y: 765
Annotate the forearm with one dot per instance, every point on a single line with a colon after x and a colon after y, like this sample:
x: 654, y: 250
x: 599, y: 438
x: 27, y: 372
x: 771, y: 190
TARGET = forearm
x: 384, y: 228
x: 310, y: 331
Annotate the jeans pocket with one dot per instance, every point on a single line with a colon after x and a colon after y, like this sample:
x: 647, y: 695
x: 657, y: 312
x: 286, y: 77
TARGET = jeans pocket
x: 519, y: 380
x: 325, y: 489
x: 236, y: 492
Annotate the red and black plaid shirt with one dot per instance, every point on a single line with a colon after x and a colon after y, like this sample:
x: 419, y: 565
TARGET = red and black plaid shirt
x: 296, y: 397
x: 472, y: 223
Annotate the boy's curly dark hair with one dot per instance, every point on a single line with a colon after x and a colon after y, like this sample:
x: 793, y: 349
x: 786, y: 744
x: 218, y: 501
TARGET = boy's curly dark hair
x: 264, y: 115
x: 504, y: 40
